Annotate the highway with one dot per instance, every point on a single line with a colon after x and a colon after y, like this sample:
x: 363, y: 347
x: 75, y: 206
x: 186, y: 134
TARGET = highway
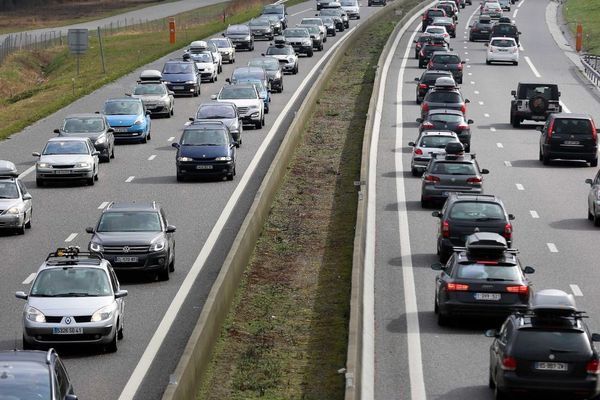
x: 207, y: 216
x: 413, y: 357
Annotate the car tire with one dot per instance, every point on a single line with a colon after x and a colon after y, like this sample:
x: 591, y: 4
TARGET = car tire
x: 112, y: 347
x: 442, y: 320
x: 27, y: 345
x: 21, y: 229
x: 262, y: 121
x: 258, y: 125
x: 334, y: 32
x: 418, y: 101
x: 309, y: 53
x: 106, y: 159
x: 39, y: 182
x: 91, y: 181
x: 120, y: 334
x: 515, y: 121
x: 491, y: 383
x: 230, y: 177
x: 96, y: 176
x: 424, y: 203
x: 266, y: 110
x: 540, y: 155
x: 596, y: 219
x: 28, y: 223
x: 488, y: 62
x: 499, y: 395
x: 163, y: 274
x: 594, y: 162
x: 112, y: 153
x: 545, y: 159
x: 144, y: 139
x: 180, y: 177
x: 590, y: 216
x: 414, y: 172
x: 172, y: 265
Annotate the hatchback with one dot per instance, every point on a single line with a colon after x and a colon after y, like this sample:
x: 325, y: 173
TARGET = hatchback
x: 447, y: 61
x: 129, y: 119
x: 16, y: 207
x: 503, y: 49
x: 427, y: 144
x: 93, y: 126
x: 429, y: 15
x: 451, y: 120
x: 481, y: 29
x: 223, y: 112
x: 446, y: 98
x: 569, y: 137
x: 273, y: 69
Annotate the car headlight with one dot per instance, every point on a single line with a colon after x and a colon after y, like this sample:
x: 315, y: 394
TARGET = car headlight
x: 307, y: 42
x: 100, y: 140
x: 184, y: 159
x: 82, y: 165
x: 253, y: 107
x: 35, y: 315
x: 139, y: 120
x: 158, y: 245
x: 248, y: 37
x: 290, y: 60
x: 97, y: 247
x: 13, y: 211
x: 103, y: 314
x: 44, y: 165
x: 223, y: 158
x: 190, y: 82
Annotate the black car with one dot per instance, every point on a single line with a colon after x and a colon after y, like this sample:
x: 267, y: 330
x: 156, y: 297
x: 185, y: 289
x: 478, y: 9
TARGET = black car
x: 464, y: 213
x: 427, y: 51
x: 337, y: 14
x: 447, y: 61
x: 135, y: 237
x: 182, y: 77
x: 481, y: 29
x: 546, y: 350
x: 377, y: 2
x: 240, y: 36
x: 32, y: 374
x: 427, y: 82
x: 448, y: 120
x: 443, y: 95
x: 569, y: 137
x: 261, y: 28
x: 429, y: 15
x: 482, y: 279
x: 93, y: 126
x: 505, y: 30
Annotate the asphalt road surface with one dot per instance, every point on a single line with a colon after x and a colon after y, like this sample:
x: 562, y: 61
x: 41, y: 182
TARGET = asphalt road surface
x: 551, y: 230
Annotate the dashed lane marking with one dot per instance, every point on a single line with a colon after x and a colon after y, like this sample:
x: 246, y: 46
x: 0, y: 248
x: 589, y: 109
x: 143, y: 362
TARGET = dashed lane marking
x: 130, y: 179
x: 534, y: 214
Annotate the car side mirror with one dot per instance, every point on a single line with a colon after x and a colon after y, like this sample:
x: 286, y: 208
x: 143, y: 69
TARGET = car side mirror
x: 467, y: 101
x: 21, y: 295
x: 485, y: 171
x: 411, y: 144
x: 470, y: 121
x: 417, y: 79
x: 262, y: 54
x: 176, y: 145
x: 486, y: 44
x: 237, y: 144
x: 110, y: 130
x: 121, y: 293
x: 71, y: 397
x: 513, y: 92
x: 148, y: 112
x: 436, y: 214
x: 172, y: 93
x: 595, y: 337
x: 228, y: 80
x: 171, y: 228
x: 89, y: 229
x: 36, y: 154
x: 518, y: 33
x: 419, y: 120
x: 192, y: 119
x: 493, y: 333
x: 528, y: 270
x: 589, y: 181
x: 128, y: 94
x: 463, y: 62
x: 511, y: 217
x: 27, y: 196
x: 223, y: 34
x: 437, y: 266
x: 56, y: 131
x: 95, y: 153
x: 213, y: 97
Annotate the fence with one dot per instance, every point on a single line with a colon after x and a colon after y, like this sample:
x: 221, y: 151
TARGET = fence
x: 591, y: 65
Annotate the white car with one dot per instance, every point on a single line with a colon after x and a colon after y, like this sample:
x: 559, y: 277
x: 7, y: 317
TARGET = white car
x: 504, y: 49
x: 437, y: 31
x: 351, y: 7
x: 225, y: 47
x: 428, y: 143
x: 205, y: 63
x: 15, y: 200
x: 247, y: 100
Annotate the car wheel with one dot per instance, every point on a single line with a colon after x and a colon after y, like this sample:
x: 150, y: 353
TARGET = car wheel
x: 144, y: 139
x: 163, y: 275
x: 436, y: 308
x: 106, y: 159
x: 488, y: 62
x: 596, y: 219
x: 39, y: 182
x: 112, y: 347
x: 590, y: 216
x: 21, y: 229
x: 334, y: 33
x: 28, y: 223
x: 266, y: 110
x: 112, y: 152
x: 180, y: 177
x: 498, y: 394
x: 471, y: 39
x: 196, y: 92
x: 96, y: 176
x: 491, y: 383
x: 594, y: 162
x: 414, y: 172
x: 540, y: 155
x: 258, y: 125
x: 27, y: 345
x: 442, y: 320
x: 230, y: 177
x: 172, y: 265
x: 120, y: 334
x: 418, y: 100
x: 515, y: 122
x: 262, y: 121
x: 90, y: 181
x: 309, y: 53
x: 220, y: 69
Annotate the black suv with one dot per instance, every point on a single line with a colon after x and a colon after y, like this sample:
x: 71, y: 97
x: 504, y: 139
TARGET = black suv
x: 505, y: 30
x: 534, y: 101
x: 427, y: 81
x: 484, y: 279
x: 135, y: 237
x: 547, y: 349
x: 481, y: 29
x: 240, y: 36
x: 446, y: 95
x: 34, y: 375
x: 570, y: 137
x: 448, y: 120
x: 464, y: 214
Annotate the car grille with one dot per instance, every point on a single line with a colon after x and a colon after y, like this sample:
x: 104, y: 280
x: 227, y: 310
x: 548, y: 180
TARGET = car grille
x: 131, y: 249
x: 63, y: 166
x: 79, y: 319
x: 243, y: 110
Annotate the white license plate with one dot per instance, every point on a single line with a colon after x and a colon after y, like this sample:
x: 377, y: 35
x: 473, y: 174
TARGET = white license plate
x: 121, y: 130
x: 571, y: 142
x: 178, y: 87
x: 487, y: 296
x: 126, y: 259
x: 551, y: 366
x: 204, y: 167
x: 67, y: 331
x: 62, y: 172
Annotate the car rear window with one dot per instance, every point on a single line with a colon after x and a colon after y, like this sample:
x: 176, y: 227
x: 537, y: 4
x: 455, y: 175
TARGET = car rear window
x: 446, y: 59
x: 431, y: 78
x: 488, y: 272
x: 436, y: 142
x: 503, y: 43
x: 453, y: 168
x: 505, y: 29
x: 445, y: 118
x: 476, y: 211
x: 547, y: 91
x: 24, y: 380
x: 436, y: 13
x: 572, y: 126
x: 443, y: 97
x: 527, y: 342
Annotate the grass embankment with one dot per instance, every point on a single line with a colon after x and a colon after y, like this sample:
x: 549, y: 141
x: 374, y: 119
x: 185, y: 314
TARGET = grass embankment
x: 586, y: 12
x: 286, y: 335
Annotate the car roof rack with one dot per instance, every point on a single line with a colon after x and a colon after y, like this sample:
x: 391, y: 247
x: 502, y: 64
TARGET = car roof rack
x: 151, y: 75
x: 71, y: 255
x: 8, y: 169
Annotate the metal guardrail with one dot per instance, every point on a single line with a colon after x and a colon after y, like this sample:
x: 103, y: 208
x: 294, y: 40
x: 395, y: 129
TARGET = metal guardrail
x: 591, y: 65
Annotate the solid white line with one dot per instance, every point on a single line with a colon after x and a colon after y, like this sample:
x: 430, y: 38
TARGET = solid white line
x: 130, y: 179
x: 552, y: 247
x: 27, y: 172
x: 171, y: 139
x: 152, y: 157
x: 515, y: 13
x: 508, y: 163
x: 576, y: 291
x: 521, y: 48
x: 145, y: 361
x: 519, y: 186
x: 71, y: 237
x: 29, y: 279
x: 533, y: 69
x: 300, y: 12
x: 534, y: 214
x: 103, y: 205
x: 565, y: 108
x: 500, y: 145
x: 492, y: 129
x: 470, y: 18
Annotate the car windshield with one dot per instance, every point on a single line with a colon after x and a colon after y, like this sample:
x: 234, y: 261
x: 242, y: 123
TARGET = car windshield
x: 66, y: 147
x: 446, y: 59
x: 443, y: 97
x: 488, y: 272
x: 238, y: 30
x: 201, y: 57
x: 503, y: 43
x: 233, y: 93
x: 311, y: 21
x: 572, y: 126
x: 8, y: 190
x: 280, y: 51
x: 215, y: 112
x: 443, y: 20
x: 331, y: 12
x: 259, y: 22
x: 476, y: 211
x: 296, y: 33
x: 157, y: 89
x: 272, y: 10
x: 83, y: 125
x: 445, y: 118
x: 241, y: 74
x: 314, y: 29
x: 436, y: 13
x: 349, y: 3
x: 453, y: 168
x: 203, y: 137
x: 547, y: 91
x: 268, y: 64
x: 122, y: 108
x: 530, y: 343
x: 436, y: 30
x: 23, y: 380
x: 221, y: 43
x: 505, y: 29
x: 71, y: 282
x: 129, y: 221
x: 178, y: 68
x: 436, y: 142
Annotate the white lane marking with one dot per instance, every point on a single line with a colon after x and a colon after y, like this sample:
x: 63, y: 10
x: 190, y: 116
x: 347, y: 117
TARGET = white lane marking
x: 466, y: 53
x: 171, y: 139
x: 470, y: 18
x: 521, y: 48
x: 152, y: 157
x: 29, y: 279
x: 552, y: 247
x: 520, y: 4
x: 466, y: 59
x: 480, y: 103
x: 486, y: 115
x: 300, y: 12
x: 130, y: 179
x: 533, y: 68
x: 71, y: 237
x: 145, y: 361
x: 519, y: 186
x: 27, y: 172
x: 465, y: 42
x: 492, y: 129
x: 465, y: 47
x: 476, y: 91
x: 576, y: 291
x: 515, y: 13
x: 534, y: 214
x: 508, y: 163
x: 469, y: 73
x: 468, y: 66
x: 500, y: 145
x: 472, y: 82
x: 565, y: 108
x: 103, y: 205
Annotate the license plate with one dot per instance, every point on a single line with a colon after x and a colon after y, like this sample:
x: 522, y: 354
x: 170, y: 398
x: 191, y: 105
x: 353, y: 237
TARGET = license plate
x: 444, y: 193
x: 487, y: 296
x: 204, y: 166
x: 62, y: 172
x: 485, y: 31
x: 551, y: 366
x: 571, y: 142
x: 121, y: 130
x: 67, y: 331
x: 126, y: 259
x: 178, y: 87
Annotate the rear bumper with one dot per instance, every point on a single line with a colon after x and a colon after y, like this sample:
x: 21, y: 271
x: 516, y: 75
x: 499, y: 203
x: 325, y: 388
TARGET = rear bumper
x: 431, y: 193
x: 574, y: 388
x: 585, y: 154
x: 457, y: 308
x: 507, y: 57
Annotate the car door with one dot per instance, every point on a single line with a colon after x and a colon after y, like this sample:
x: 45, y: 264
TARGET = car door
x: 593, y: 190
x: 170, y: 235
x: 28, y: 202
x: 116, y: 287
x: 110, y: 137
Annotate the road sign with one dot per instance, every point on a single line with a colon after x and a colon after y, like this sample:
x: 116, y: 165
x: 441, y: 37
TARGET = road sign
x: 78, y: 40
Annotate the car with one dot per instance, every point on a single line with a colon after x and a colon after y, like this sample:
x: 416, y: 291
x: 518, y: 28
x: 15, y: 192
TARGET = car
x: 205, y: 149
x: 330, y: 25
x: 443, y: 95
x: 222, y: 112
x: 129, y: 119
x: 315, y: 35
x: 75, y: 298
x: 464, y: 214
x: 352, y: 8
x: 481, y: 29
x: 482, y: 279
x: 278, y: 10
x: 135, y: 237
x: 93, y: 126
x: 285, y: 54
x: 243, y: 74
x: 594, y: 199
x: 534, y: 101
x: 450, y: 8
x: 15, y: 200
x: 492, y: 9
x: 449, y: 61
x: 32, y: 374
x: 318, y: 22
x: 504, y: 19
x: 429, y: 15
x: 428, y: 143
x: 299, y: 39
x: 437, y: 31
x: 263, y: 92
x: 203, y: 46
x: 261, y: 28
x: 504, y: 4
x: 240, y: 36
x: 427, y: 81
x: 505, y: 30
x: 448, y: 120
x: 547, y: 350
x: 447, y: 23
x: 247, y: 100
x: 154, y: 93
x: 273, y: 69
x: 275, y: 23
x: 420, y: 42
x: 502, y: 49
x: 336, y: 13
x: 67, y: 158
x: 225, y: 47
x: 427, y: 51
x: 569, y: 136
x: 453, y: 172
x: 377, y: 2
x: 207, y: 66
x: 182, y: 77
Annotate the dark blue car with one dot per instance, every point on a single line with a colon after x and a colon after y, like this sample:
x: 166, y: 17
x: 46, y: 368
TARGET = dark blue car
x: 205, y: 149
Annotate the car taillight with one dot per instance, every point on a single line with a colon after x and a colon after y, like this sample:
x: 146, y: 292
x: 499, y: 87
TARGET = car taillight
x: 462, y: 126
x: 521, y: 289
x: 431, y: 178
x: 418, y: 152
x: 422, y: 53
x: 475, y: 30
x: 550, y: 131
x: 457, y: 287
x: 474, y: 180
x: 423, y: 86
x: 424, y: 107
x: 594, y: 133
x: 430, y: 64
x: 445, y: 229
x: 593, y: 367
x: 509, y: 363
x: 427, y: 125
x: 507, y: 231
x: 460, y: 66
x: 463, y: 108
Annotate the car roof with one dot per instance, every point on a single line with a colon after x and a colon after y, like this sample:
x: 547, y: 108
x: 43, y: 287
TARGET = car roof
x: 444, y: 111
x: 132, y: 99
x: 249, y: 69
x: 456, y: 196
x: 570, y: 116
x: 68, y: 139
x: 85, y: 115
x: 217, y: 104
x: 132, y: 206
x: 26, y: 355
x: 239, y: 85
x: 8, y: 170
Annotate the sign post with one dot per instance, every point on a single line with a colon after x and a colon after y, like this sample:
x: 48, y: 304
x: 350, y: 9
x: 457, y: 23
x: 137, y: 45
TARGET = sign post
x: 579, y: 38
x: 172, y: 30
x: 78, y: 42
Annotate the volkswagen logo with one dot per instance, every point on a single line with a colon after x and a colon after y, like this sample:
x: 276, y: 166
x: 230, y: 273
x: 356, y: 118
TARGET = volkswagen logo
x: 203, y: 155
x: 476, y: 229
x: 551, y: 356
x: 68, y: 320
x: 126, y: 249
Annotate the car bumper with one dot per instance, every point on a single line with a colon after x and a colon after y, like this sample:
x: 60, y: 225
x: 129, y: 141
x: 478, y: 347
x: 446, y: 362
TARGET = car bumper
x: 183, y: 88
x: 354, y: 14
x: 262, y: 35
x: 207, y: 76
x: 302, y: 49
x: 420, y: 163
x: 242, y: 44
x: 226, y: 56
x: 289, y: 67
x: 64, y: 174
x: 571, y: 388
x: 93, y: 333
x: 205, y: 169
x: 432, y: 193
x: 458, y: 308
x: 480, y: 36
x: 507, y: 57
x: 9, y: 221
x: 571, y: 155
x: 145, y: 261
x: 331, y: 30
x: 277, y: 83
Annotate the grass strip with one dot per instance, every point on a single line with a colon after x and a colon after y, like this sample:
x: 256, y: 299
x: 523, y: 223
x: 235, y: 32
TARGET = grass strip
x: 286, y: 334
x: 586, y: 12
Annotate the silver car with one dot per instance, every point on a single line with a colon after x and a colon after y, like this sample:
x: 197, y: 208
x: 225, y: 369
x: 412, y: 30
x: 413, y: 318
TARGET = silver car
x: 154, y: 93
x: 427, y: 144
x: 351, y: 8
x: 223, y: 112
x: 317, y: 22
x: 75, y: 298
x: 226, y: 49
x: 67, y: 158
x: 15, y: 201
x: 594, y: 199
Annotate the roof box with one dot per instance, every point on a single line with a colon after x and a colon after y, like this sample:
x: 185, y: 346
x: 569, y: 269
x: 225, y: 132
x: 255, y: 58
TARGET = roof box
x: 8, y: 169
x: 151, y: 75
x: 553, y: 302
x: 445, y: 82
x: 486, y: 242
x: 199, y: 45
